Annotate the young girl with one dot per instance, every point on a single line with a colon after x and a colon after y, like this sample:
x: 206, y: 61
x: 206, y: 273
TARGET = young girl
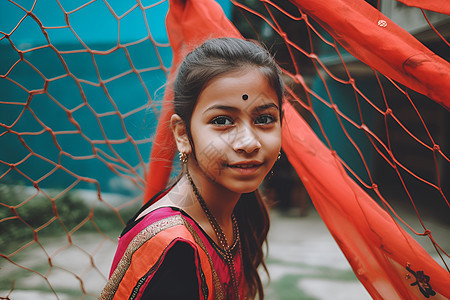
x: 203, y: 237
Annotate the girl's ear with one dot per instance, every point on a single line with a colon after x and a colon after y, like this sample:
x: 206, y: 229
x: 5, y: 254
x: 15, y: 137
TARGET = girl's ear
x: 179, y: 132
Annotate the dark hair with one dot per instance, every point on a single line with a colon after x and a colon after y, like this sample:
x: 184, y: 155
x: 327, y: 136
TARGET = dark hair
x: 218, y: 57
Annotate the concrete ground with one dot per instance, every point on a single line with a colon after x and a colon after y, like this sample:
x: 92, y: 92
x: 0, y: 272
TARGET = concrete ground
x: 304, y: 263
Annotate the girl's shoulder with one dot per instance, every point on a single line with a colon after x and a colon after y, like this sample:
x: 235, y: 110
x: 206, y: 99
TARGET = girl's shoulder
x: 153, y: 218
x: 148, y: 230
x: 152, y: 211
x: 145, y: 248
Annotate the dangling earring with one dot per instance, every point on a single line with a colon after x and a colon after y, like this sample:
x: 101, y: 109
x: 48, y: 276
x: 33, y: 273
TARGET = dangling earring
x: 269, y: 176
x: 183, y: 157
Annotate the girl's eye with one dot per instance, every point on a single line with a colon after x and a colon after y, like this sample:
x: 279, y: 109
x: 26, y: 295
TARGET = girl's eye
x: 265, y: 119
x: 222, y: 121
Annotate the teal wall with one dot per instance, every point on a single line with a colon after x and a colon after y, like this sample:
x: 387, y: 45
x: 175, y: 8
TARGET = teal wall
x: 94, y: 27
x: 337, y: 128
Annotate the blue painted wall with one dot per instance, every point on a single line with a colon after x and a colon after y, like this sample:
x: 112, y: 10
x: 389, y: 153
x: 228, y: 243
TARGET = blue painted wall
x: 97, y: 27
x: 337, y: 128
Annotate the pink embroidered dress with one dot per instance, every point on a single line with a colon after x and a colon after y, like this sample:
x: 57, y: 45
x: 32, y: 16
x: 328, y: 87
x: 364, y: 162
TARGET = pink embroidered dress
x: 167, y: 255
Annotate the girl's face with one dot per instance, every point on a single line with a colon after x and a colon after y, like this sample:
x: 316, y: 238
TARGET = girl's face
x: 236, y: 130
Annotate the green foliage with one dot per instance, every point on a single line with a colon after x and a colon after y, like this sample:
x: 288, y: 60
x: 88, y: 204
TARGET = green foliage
x: 24, y: 217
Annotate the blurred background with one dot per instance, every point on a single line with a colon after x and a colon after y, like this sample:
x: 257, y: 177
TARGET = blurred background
x: 81, y: 87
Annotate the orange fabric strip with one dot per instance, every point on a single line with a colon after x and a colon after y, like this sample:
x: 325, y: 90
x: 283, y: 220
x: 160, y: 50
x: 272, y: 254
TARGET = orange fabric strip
x: 383, y: 45
x: 440, y: 6
x: 378, y: 249
x: 189, y: 23
x: 148, y: 254
x: 382, y: 255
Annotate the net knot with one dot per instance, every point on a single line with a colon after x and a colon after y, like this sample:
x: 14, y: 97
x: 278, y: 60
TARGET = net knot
x: 388, y: 112
x: 427, y: 232
x: 298, y: 78
x: 436, y: 147
x: 66, y: 18
x: 313, y: 56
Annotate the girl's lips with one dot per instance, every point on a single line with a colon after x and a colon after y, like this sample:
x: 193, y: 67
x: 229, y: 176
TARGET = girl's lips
x: 246, y: 168
x: 243, y: 166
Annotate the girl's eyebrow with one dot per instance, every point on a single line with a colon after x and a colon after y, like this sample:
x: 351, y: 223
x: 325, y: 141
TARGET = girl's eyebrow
x: 235, y: 109
x: 266, y: 106
x: 222, y: 107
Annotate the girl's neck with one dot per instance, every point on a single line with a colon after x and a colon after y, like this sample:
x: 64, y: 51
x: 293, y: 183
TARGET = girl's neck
x: 220, y: 201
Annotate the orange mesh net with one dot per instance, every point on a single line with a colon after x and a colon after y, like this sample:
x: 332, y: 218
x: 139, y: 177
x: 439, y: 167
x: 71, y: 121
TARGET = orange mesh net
x: 81, y: 87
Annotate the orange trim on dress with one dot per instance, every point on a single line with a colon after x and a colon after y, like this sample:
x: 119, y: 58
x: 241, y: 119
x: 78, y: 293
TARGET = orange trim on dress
x: 145, y: 251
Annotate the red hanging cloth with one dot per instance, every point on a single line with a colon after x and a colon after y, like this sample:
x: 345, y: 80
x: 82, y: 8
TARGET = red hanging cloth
x: 440, y: 6
x: 383, y: 45
x: 188, y: 24
x: 387, y: 260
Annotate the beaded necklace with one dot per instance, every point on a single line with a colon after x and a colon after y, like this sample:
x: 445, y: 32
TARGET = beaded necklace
x: 221, y: 237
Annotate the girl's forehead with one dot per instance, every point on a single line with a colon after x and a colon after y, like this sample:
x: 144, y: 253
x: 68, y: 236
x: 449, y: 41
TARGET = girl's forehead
x: 246, y: 88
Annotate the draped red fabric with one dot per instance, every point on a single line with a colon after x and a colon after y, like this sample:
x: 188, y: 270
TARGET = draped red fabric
x: 380, y: 252
x: 383, y: 45
x: 440, y: 6
x: 188, y: 24
x: 386, y: 259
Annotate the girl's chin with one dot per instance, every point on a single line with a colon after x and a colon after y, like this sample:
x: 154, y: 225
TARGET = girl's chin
x: 243, y: 188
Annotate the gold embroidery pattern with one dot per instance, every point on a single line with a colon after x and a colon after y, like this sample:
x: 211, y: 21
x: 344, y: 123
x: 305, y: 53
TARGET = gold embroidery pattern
x: 140, y: 239
x: 219, y: 293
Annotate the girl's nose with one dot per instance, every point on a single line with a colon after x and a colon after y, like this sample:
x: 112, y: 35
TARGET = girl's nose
x: 246, y: 140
